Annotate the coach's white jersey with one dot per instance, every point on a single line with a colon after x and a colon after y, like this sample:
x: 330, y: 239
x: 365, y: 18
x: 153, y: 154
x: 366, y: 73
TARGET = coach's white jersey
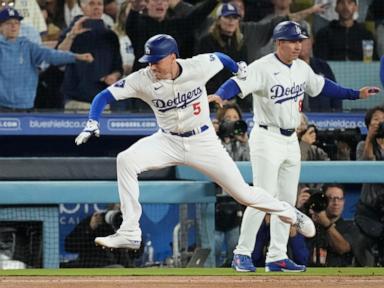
x: 180, y: 105
x: 278, y: 90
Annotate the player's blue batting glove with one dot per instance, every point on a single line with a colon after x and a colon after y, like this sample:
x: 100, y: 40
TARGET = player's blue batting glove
x: 242, y: 72
x: 91, y: 128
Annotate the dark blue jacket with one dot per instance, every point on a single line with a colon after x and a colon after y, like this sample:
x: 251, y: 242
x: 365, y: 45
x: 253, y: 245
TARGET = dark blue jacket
x: 82, y: 80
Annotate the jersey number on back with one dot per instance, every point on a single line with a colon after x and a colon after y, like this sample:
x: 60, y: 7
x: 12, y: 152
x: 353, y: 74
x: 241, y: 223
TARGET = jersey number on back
x: 196, y: 108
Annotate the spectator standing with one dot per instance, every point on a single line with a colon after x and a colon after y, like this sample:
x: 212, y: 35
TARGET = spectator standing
x: 321, y: 67
x: 342, y: 39
x: 70, y: 9
x: 280, y: 8
x: 126, y: 48
x: 322, y: 19
x: 127, y: 54
x: 141, y: 27
x: 89, y: 33
x: 224, y: 36
x: 179, y: 9
x: 258, y: 34
x: 20, y: 59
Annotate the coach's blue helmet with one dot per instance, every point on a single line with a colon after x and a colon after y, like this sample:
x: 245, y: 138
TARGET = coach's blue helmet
x: 288, y: 30
x: 158, y: 47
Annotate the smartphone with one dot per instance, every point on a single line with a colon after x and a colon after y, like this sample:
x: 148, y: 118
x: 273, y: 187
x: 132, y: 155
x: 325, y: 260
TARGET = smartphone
x: 373, y: 90
x: 93, y: 24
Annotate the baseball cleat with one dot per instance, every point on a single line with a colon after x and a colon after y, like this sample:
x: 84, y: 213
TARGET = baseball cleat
x: 243, y: 263
x: 116, y: 241
x: 305, y: 225
x: 285, y: 265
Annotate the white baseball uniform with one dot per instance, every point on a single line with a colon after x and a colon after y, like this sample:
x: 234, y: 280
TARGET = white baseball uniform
x: 186, y: 137
x: 278, y: 91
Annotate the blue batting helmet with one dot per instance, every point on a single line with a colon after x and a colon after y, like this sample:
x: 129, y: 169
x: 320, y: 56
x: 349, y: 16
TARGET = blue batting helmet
x: 158, y: 47
x: 288, y: 30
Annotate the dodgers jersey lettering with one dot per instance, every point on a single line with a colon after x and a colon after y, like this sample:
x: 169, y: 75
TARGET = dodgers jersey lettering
x: 278, y: 90
x: 180, y: 105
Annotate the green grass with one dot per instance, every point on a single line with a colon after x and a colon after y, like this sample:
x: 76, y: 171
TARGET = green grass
x: 188, y: 272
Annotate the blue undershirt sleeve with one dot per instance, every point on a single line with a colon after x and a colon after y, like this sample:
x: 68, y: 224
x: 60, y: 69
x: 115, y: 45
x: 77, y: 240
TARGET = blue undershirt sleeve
x: 382, y: 70
x: 334, y: 90
x: 228, y: 90
x: 227, y: 61
x: 99, y: 102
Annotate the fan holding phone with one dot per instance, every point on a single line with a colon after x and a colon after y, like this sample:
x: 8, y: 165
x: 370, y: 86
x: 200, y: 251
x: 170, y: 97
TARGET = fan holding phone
x: 88, y: 33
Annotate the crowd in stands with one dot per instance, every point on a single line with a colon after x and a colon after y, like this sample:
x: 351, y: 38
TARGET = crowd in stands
x: 114, y: 32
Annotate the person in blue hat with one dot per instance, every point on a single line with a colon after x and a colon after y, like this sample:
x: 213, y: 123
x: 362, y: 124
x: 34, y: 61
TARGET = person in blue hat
x: 224, y: 36
x: 20, y: 58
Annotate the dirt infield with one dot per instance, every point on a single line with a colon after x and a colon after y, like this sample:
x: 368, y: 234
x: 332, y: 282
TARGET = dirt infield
x: 293, y: 281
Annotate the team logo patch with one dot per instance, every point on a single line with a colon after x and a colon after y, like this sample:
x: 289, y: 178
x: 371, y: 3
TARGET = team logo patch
x: 180, y: 101
x: 120, y: 84
x: 281, y: 94
x: 147, y: 50
x: 298, y: 30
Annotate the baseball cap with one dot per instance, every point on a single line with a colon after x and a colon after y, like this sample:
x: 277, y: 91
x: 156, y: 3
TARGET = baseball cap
x: 9, y: 13
x: 227, y: 9
x: 288, y: 30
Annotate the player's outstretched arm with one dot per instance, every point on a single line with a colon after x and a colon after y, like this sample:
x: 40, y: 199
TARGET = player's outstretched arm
x: 92, y: 127
x: 226, y: 91
x: 366, y: 92
x: 334, y: 90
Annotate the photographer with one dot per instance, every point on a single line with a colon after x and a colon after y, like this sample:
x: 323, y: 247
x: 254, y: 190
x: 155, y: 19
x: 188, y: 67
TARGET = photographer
x: 233, y: 131
x: 373, y: 146
x: 370, y: 212
x: 81, y: 241
x: 233, y: 134
x: 307, y: 138
x: 334, y: 240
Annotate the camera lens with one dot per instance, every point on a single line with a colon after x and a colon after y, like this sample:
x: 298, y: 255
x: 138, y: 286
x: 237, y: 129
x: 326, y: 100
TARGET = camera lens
x: 239, y: 127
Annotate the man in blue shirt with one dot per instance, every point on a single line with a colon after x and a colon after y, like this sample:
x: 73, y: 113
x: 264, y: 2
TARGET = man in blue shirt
x: 20, y: 58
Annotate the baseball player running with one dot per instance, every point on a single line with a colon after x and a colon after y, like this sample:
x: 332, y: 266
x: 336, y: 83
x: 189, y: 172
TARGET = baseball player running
x: 175, y: 90
x: 277, y: 82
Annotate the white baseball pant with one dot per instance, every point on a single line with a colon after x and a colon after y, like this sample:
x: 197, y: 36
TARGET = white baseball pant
x: 203, y: 152
x: 276, y: 166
